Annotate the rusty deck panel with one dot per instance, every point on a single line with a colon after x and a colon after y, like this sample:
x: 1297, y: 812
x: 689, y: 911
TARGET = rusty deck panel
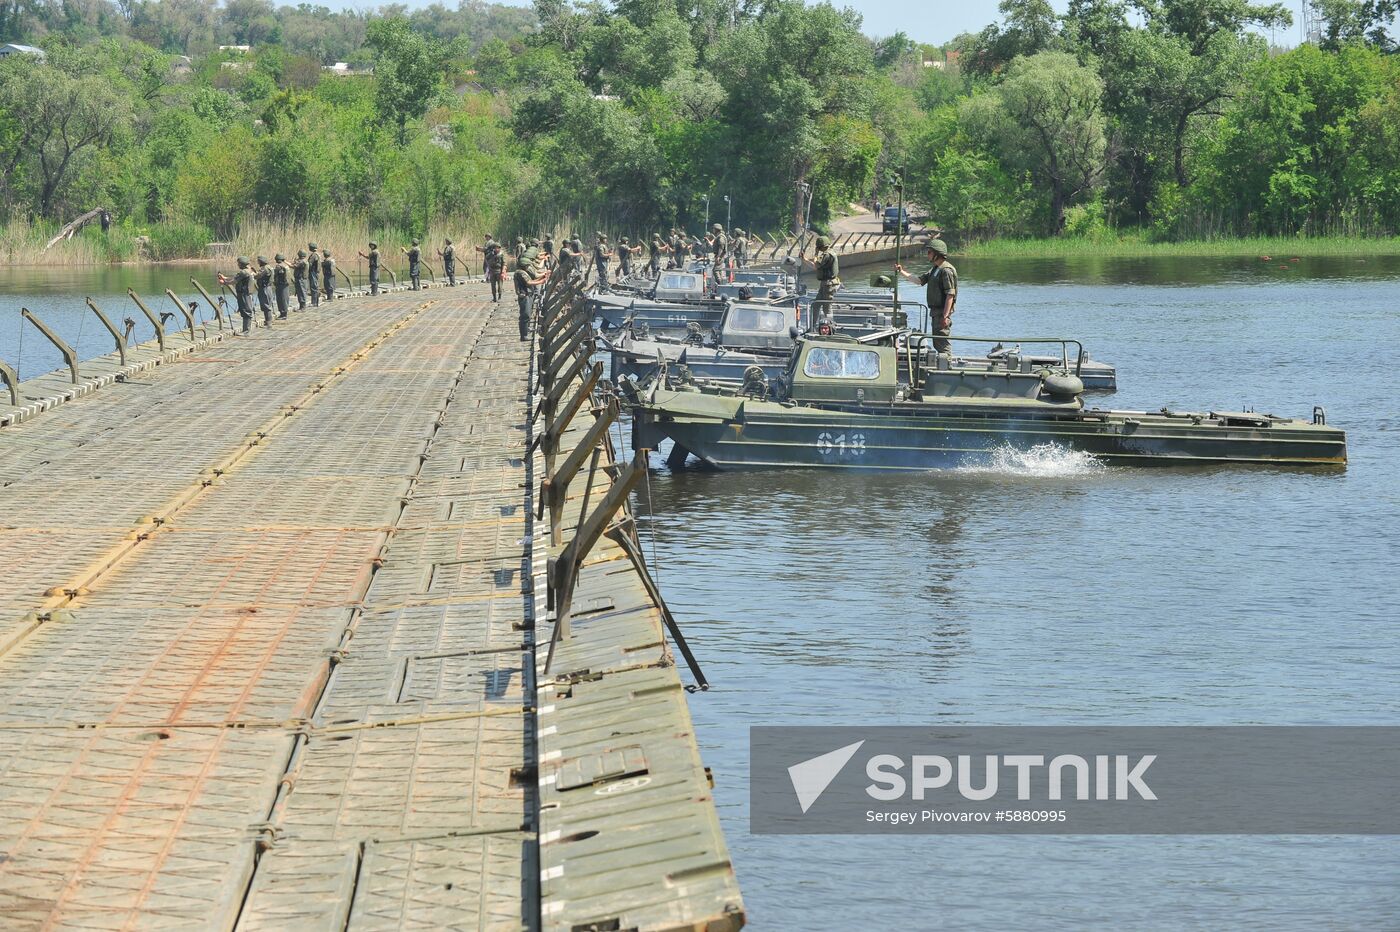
x: 268, y: 629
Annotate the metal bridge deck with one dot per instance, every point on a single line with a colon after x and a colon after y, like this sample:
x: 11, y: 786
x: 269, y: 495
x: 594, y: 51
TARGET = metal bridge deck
x: 268, y: 617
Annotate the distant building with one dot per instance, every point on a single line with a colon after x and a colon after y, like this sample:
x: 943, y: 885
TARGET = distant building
x: 345, y: 70
x: 15, y: 49
x: 236, y: 48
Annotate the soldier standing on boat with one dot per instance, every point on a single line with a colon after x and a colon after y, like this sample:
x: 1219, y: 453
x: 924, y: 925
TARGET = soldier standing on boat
x: 313, y: 273
x: 264, y: 279
x: 299, y: 278
x: 740, y: 248
x: 373, y: 258
x: 328, y: 274
x: 243, y: 282
x: 942, y: 294
x: 719, y: 247
x: 415, y: 273
x: 281, y: 280
x: 449, y: 261
x: 601, y: 255
x: 828, y: 269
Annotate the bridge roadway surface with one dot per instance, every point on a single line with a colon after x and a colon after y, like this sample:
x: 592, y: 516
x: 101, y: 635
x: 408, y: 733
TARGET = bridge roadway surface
x: 268, y: 618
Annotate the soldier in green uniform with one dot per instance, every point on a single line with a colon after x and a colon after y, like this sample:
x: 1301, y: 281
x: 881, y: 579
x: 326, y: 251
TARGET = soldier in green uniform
x: 497, y: 260
x: 569, y: 259
x: 299, y: 278
x: 719, y: 247
x: 264, y: 280
x: 528, y: 277
x: 415, y: 272
x: 601, y: 255
x: 519, y: 249
x: 281, y: 281
x: 942, y: 294
x: 677, y: 250
x: 548, y: 255
x: 485, y: 250
x: 373, y: 258
x: 449, y: 261
x: 655, y: 251
x: 313, y: 273
x: 625, y: 252
x: 243, y: 282
x: 328, y: 274
x: 740, y: 246
x: 828, y: 270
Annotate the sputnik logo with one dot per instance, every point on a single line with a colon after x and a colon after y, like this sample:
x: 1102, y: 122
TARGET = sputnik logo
x: 811, y: 777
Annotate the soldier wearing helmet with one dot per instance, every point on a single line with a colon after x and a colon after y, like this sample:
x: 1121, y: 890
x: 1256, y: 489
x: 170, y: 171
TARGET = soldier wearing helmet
x: 828, y: 270
x: 942, y: 294
x: 242, y: 282
x: 281, y: 283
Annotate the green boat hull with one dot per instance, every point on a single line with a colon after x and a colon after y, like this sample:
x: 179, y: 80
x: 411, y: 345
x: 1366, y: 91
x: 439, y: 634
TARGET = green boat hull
x: 773, y: 435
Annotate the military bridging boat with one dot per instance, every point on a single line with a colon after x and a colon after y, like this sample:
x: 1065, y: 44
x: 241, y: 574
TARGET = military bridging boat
x: 763, y: 335
x: 892, y: 405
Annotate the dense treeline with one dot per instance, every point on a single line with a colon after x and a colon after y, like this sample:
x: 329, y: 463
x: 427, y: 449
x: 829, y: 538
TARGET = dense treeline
x: 1170, y: 116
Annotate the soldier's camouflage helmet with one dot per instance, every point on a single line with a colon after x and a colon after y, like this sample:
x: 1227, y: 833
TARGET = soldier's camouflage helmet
x: 301, y: 253
x: 243, y: 262
x: 326, y: 253
x: 262, y: 260
x: 279, y: 258
x: 622, y: 239
x: 413, y: 243
x: 738, y: 230
x: 823, y: 242
x: 934, y: 244
x: 446, y: 242
x: 311, y: 246
x: 373, y: 244
x: 533, y: 242
x: 718, y: 228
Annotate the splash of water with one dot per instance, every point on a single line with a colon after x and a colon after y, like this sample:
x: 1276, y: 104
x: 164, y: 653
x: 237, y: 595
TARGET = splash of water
x: 1042, y: 461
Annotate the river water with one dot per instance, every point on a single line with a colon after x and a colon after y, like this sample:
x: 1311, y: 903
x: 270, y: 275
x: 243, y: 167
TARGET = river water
x: 1047, y: 589
x: 1043, y: 589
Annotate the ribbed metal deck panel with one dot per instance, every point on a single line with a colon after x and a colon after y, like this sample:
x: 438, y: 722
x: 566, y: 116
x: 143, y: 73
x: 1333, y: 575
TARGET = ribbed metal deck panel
x: 267, y: 652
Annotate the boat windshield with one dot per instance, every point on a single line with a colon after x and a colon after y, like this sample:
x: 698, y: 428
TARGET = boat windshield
x: 832, y: 363
x: 758, y: 320
x: 680, y: 283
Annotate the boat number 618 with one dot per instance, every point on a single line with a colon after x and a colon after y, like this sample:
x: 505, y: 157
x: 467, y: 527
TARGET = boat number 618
x: 841, y: 444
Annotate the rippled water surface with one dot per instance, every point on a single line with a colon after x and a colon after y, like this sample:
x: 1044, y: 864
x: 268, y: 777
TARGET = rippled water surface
x: 1047, y: 589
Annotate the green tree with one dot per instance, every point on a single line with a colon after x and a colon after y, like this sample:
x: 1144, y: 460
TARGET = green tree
x: 217, y: 183
x: 1045, y: 118
x: 408, y: 72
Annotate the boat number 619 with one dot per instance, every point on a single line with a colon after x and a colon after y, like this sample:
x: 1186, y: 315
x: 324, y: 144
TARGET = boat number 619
x: 842, y: 444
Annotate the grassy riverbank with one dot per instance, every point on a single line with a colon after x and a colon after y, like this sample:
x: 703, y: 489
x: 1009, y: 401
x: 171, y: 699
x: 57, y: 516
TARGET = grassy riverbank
x: 1131, y: 247
x: 22, y: 243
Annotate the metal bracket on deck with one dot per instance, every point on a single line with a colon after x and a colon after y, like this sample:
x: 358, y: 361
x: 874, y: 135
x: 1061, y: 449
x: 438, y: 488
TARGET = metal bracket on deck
x: 624, y: 534
x: 217, y: 307
x: 112, y: 329
x: 550, y: 402
x: 549, y: 374
x: 155, y: 321
x: 69, y: 356
x: 555, y: 426
x: 563, y: 569
x: 11, y: 378
x: 189, y: 318
x: 554, y: 488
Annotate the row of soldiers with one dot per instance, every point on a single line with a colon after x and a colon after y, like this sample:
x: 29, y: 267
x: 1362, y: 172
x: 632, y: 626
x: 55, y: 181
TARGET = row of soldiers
x: 312, y: 277
x: 724, y: 250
